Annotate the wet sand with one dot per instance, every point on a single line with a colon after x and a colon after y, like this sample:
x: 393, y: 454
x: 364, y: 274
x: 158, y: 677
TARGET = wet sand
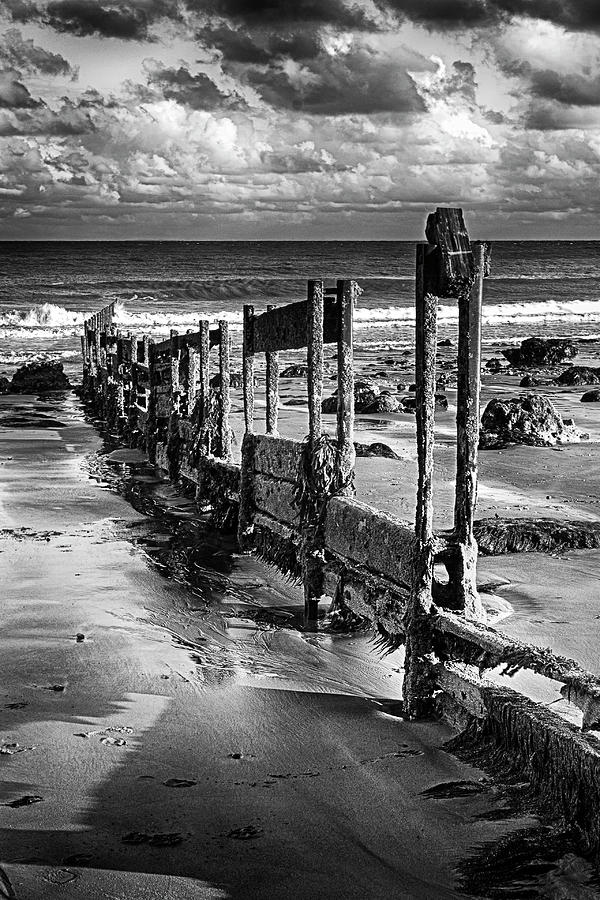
x: 192, y: 745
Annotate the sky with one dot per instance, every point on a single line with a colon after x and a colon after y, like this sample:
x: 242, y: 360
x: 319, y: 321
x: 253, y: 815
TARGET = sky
x: 298, y: 119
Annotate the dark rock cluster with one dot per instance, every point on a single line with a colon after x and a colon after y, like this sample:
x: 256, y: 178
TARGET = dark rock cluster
x: 536, y: 351
x: 530, y: 419
x: 37, y: 378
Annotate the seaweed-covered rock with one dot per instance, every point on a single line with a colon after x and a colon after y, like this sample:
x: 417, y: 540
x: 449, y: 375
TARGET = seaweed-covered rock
x: 494, y: 364
x: 365, y: 392
x: 4, y: 385
x: 591, y: 396
x: 384, y: 403
x: 541, y: 352
x: 410, y: 403
x: 528, y: 381
x: 530, y: 419
x: 441, y: 401
x: 376, y: 449
x: 295, y: 371
x: 36, y: 378
x: 235, y: 380
x: 579, y: 375
x: 497, y: 536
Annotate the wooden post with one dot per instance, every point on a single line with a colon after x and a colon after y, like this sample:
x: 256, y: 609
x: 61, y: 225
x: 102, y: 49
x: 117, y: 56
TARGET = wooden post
x: 225, y: 377
x: 175, y: 386
x: 193, y: 369
x: 272, y: 387
x: 204, y: 383
x: 346, y: 294
x: 418, y: 685
x: 467, y: 434
x: 314, y: 358
x: 248, y: 367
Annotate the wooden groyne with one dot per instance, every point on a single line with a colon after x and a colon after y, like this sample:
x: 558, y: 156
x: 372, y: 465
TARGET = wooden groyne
x: 293, y: 503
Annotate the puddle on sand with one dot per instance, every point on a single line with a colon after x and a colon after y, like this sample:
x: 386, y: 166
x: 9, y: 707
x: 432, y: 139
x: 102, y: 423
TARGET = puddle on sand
x: 237, y: 619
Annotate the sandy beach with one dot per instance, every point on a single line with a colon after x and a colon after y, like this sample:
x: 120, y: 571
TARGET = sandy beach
x: 186, y: 749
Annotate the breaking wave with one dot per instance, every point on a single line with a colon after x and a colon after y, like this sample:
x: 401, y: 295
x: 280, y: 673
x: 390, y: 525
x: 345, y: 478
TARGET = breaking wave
x: 49, y: 320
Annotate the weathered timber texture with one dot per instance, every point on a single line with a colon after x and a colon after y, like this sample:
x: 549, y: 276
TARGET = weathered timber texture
x: 272, y: 387
x: 248, y: 367
x: 276, y: 498
x: 365, y: 536
x: 277, y: 457
x: 464, y: 574
x: 365, y: 594
x: 314, y: 357
x: 225, y: 396
x: 346, y: 298
x: 418, y: 687
x: 284, y: 328
x: 453, y: 269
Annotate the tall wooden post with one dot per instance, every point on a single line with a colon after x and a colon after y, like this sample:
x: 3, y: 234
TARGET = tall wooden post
x: 314, y: 358
x: 418, y: 686
x: 175, y: 386
x: 248, y: 367
x: 272, y: 388
x: 467, y: 433
x: 225, y: 379
x: 346, y: 295
x: 204, y: 384
x: 193, y: 378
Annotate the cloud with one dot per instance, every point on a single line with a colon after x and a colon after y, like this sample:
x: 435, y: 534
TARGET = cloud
x: 197, y: 91
x: 354, y: 80
x: 14, y: 94
x: 280, y: 13
x: 259, y: 46
x: 25, y: 56
x: 577, y: 15
x: 446, y: 14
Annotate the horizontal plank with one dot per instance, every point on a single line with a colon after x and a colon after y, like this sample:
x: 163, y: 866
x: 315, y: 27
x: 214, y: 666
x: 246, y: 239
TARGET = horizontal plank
x: 482, y: 645
x: 277, y: 456
x: 274, y: 497
x: 364, y: 535
x: 285, y: 327
x: 381, y: 601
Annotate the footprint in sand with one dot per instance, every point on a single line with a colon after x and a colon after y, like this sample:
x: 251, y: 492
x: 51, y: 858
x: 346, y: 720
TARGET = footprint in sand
x: 452, y: 789
x: 11, y: 749
x: 154, y: 840
x: 179, y: 783
x: 24, y: 801
x: 245, y: 833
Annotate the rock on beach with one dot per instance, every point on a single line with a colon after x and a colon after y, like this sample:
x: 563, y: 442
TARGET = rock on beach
x: 529, y: 419
x: 536, y: 351
x: 35, y: 378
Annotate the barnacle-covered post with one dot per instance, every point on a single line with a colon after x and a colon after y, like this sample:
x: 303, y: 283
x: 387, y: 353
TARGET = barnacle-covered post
x: 314, y: 358
x: 204, y: 387
x: 346, y: 297
x: 225, y: 378
x: 467, y: 433
x: 272, y: 387
x: 418, y: 684
x: 248, y: 367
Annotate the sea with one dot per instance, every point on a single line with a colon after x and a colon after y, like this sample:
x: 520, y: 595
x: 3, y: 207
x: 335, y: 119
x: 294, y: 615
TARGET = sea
x: 48, y: 288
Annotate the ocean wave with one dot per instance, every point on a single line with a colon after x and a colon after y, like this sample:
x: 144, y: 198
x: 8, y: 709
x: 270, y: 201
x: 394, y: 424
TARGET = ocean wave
x: 50, y: 320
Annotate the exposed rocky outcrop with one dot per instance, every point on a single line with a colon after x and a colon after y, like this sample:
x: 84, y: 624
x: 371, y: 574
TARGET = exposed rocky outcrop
x: 494, y: 365
x: 37, y: 378
x: 410, y: 403
x: 579, y: 375
x: 530, y: 419
x: 591, y: 396
x: 528, y: 381
x: 541, y: 352
x: 376, y: 449
x: 235, y: 380
x: 4, y: 385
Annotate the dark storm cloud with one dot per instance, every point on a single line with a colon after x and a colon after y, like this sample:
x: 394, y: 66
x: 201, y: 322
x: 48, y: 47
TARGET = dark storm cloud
x: 280, y: 13
x: 67, y: 121
x: 258, y: 46
x: 570, y: 89
x: 195, y: 91
x: 87, y: 17
x: 577, y: 15
x: 355, y: 82
x: 25, y: 56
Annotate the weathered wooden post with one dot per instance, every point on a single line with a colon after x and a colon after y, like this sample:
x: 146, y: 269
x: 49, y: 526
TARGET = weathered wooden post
x: 346, y: 297
x: 272, y: 387
x: 204, y: 442
x: 175, y: 360
x: 467, y: 433
x: 248, y: 367
x: 418, y: 686
x: 193, y: 374
x: 314, y: 358
x: 225, y: 382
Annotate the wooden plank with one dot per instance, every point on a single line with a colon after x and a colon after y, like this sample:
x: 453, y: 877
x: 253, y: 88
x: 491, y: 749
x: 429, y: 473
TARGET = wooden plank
x: 248, y: 367
x: 275, y: 497
x: 204, y: 379
x: 276, y: 456
x: 314, y: 358
x: 346, y: 296
x: 272, y: 387
x: 453, y: 269
x: 284, y: 328
x: 367, y: 537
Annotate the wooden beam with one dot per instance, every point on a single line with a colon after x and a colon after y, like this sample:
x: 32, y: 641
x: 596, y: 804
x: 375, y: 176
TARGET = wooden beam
x: 225, y: 378
x: 248, y: 367
x: 272, y: 387
x: 346, y: 296
x: 314, y: 358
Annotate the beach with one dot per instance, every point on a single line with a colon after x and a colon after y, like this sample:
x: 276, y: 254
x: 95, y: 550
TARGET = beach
x: 184, y: 734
